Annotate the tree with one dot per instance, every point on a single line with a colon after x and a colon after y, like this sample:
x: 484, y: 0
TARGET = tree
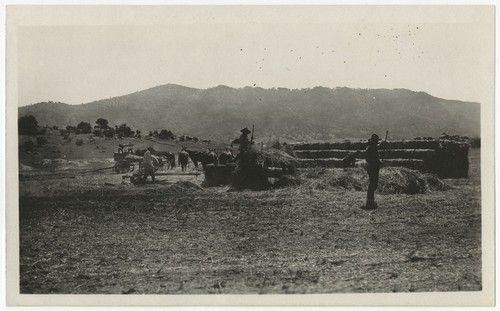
x: 84, y: 128
x: 109, y: 132
x: 71, y: 129
x: 124, y: 131
x: 27, y: 125
x: 138, y: 134
x: 102, y: 123
x: 164, y: 134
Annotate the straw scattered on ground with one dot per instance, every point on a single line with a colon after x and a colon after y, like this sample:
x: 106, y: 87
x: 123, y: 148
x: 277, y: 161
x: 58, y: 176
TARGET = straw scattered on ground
x: 393, y: 180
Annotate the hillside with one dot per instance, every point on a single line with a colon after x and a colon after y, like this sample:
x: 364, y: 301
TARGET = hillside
x: 317, y: 113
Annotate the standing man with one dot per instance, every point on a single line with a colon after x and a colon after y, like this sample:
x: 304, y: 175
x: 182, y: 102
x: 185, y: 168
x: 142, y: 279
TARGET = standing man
x: 373, y: 169
x: 244, y: 141
x: 147, y: 162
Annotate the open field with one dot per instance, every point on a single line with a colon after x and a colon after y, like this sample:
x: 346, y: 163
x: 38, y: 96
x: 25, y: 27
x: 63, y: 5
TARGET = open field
x: 93, y: 234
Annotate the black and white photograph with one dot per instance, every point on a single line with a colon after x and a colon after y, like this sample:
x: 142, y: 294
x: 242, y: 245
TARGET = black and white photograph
x: 275, y: 151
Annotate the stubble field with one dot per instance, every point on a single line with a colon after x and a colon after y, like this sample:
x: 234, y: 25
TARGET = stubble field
x: 93, y: 235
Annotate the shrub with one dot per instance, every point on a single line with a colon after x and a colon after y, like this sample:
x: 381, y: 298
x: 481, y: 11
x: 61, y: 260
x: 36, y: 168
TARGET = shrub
x: 28, y: 146
x: 83, y: 128
x: 164, y: 134
x: 109, y: 133
x: 40, y: 140
x: 71, y: 129
x: 27, y: 125
x: 79, y: 142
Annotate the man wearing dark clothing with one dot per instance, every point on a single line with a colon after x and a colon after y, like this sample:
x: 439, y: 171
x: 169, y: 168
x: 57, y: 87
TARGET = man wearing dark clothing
x: 244, y: 141
x: 373, y: 169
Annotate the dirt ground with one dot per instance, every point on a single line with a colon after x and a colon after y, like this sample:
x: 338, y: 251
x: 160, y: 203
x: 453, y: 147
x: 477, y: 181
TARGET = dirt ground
x: 91, y: 233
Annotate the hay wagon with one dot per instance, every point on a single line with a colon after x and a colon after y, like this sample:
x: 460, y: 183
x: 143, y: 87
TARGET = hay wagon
x: 124, y: 163
x: 262, y: 165
x: 126, y: 160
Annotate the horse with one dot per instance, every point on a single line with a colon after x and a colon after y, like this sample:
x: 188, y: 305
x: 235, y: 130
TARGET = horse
x: 213, y: 157
x: 203, y: 157
x: 183, y: 158
x: 168, y: 156
x: 226, y: 157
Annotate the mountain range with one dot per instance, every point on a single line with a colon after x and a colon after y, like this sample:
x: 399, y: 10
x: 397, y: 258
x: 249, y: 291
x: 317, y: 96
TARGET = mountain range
x: 298, y: 114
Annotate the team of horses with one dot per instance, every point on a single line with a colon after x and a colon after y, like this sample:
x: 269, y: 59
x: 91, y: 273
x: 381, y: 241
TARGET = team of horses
x: 204, y: 157
x: 197, y: 157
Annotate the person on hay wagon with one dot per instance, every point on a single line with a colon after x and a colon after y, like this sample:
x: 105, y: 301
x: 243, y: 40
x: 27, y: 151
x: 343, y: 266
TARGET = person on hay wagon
x: 244, y: 140
x: 147, y: 162
x: 373, y: 168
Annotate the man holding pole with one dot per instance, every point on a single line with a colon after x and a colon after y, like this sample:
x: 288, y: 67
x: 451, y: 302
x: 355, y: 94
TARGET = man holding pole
x: 373, y: 168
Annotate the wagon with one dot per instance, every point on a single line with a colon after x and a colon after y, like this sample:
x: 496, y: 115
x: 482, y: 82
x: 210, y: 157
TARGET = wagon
x: 125, y: 160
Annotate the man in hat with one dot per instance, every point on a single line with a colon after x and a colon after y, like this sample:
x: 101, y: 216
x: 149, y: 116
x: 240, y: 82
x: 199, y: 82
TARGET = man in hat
x: 244, y: 141
x: 148, y: 166
x: 373, y: 169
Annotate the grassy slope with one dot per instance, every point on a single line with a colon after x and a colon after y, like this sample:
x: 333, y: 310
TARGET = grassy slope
x: 91, y: 238
x: 101, y: 148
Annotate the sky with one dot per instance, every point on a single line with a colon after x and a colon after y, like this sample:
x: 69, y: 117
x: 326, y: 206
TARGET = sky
x: 78, y: 63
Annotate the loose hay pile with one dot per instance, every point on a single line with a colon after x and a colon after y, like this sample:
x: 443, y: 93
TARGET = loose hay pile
x: 255, y: 167
x: 393, y: 180
x: 276, y: 158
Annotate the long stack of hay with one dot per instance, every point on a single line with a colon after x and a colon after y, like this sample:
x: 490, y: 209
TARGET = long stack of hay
x: 451, y: 160
x: 446, y: 158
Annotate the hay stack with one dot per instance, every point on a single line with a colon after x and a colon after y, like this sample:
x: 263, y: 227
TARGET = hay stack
x: 325, y: 162
x: 410, y: 144
x: 419, y: 154
x: 255, y: 167
x: 276, y: 158
x: 451, y: 160
x: 413, y: 144
x: 323, y: 154
x: 330, y: 146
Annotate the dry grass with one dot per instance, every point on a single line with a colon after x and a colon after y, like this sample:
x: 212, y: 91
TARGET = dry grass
x: 393, y: 180
x: 89, y: 238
